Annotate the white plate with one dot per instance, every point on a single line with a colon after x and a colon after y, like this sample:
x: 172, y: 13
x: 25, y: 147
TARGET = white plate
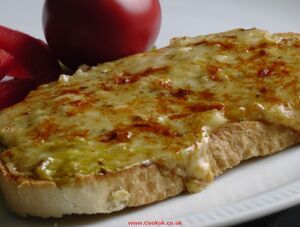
x: 252, y: 190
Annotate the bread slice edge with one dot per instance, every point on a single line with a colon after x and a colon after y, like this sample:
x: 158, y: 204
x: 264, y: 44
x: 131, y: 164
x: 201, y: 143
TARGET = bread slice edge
x: 139, y: 185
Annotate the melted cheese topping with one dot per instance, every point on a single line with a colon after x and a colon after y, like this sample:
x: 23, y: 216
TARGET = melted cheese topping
x: 155, y: 107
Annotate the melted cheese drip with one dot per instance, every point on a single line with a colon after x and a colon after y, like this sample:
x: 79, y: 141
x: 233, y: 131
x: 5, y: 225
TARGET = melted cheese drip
x: 155, y: 107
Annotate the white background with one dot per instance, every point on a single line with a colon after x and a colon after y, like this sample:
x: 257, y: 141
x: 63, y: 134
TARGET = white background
x: 245, y: 184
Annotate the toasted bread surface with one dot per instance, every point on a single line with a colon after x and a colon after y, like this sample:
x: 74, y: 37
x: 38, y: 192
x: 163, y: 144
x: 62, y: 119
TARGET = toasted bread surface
x: 150, y: 126
x: 139, y: 185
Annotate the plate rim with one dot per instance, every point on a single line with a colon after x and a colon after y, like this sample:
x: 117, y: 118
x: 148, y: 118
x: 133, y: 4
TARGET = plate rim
x: 256, y: 206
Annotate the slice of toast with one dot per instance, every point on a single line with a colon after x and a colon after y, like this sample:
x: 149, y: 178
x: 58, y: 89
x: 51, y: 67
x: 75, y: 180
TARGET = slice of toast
x: 139, y: 185
x: 150, y: 126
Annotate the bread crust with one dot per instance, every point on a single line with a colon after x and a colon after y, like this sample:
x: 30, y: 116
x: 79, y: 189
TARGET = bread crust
x: 139, y: 185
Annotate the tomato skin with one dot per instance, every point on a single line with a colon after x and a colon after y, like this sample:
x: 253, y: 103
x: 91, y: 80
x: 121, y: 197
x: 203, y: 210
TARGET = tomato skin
x: 14, y: 91
x: 93, y: 31
x: 6, y: 63
x: 32, y: 57
x: 28, y: 60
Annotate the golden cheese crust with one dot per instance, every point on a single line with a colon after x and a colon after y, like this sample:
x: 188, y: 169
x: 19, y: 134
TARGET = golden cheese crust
x: 180, y: 114
x: 139, y: 185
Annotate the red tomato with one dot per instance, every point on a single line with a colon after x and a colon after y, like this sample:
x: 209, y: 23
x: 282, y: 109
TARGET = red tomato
x: 93, y: 31
x: 29, y: 58
x: 14, y: 91
x: 6, y: 63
